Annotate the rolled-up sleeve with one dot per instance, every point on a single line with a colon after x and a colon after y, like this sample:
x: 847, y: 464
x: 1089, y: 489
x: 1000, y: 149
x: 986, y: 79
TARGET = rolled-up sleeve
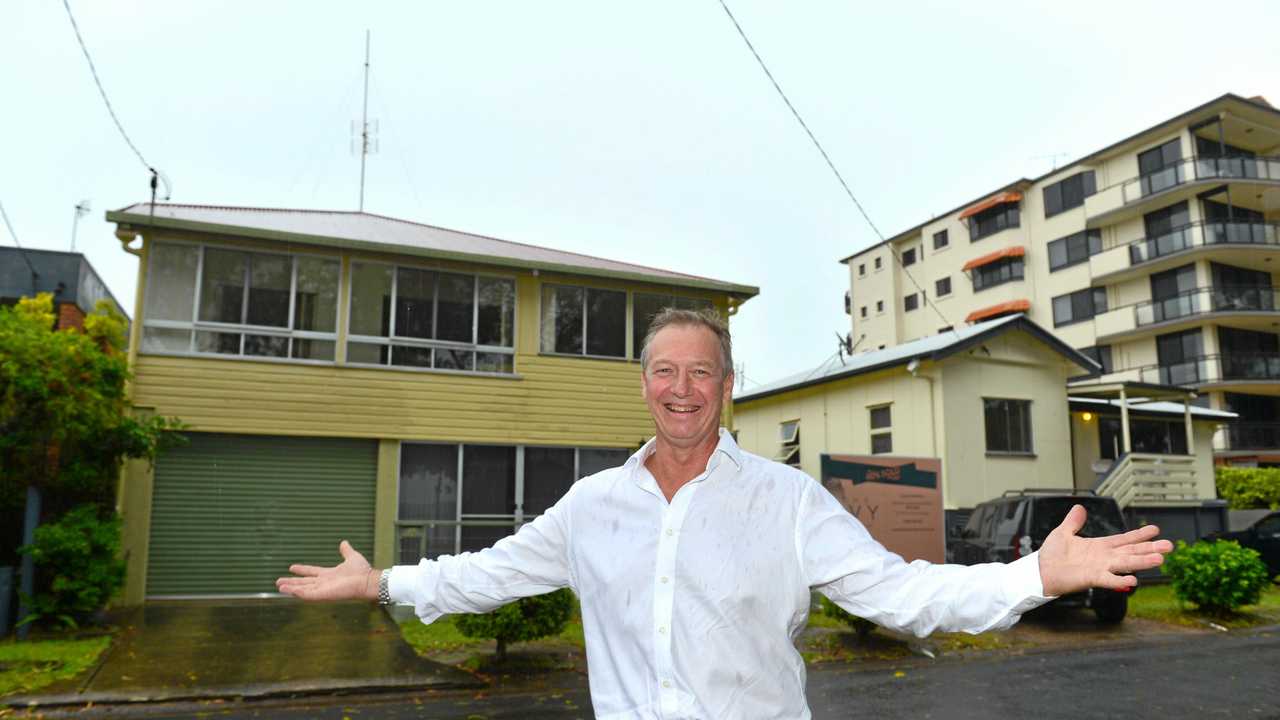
x: 842, y: 561
x: 533, y: 561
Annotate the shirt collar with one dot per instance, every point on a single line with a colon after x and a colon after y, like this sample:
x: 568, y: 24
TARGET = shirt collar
x: 726, y: 447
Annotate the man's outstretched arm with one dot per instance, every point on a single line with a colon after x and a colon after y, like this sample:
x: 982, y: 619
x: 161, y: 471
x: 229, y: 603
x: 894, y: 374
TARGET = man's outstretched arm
x: 352, y: 579
x: 1070, y: 563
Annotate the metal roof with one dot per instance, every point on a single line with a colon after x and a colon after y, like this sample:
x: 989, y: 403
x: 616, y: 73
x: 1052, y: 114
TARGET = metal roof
x: 934, y: 347
x: 367, y: 231
x: 1159, y: 407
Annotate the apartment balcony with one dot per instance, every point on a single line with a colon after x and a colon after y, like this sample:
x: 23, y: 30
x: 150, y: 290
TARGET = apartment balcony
x: 1249, y: 308
x: 1177, y: 182
x: 1226, y: 369
x: 1247, y: 437
x: 1238, y: 243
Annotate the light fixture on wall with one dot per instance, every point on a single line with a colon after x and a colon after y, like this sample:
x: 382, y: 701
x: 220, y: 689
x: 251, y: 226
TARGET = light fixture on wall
x: 1087, y: 417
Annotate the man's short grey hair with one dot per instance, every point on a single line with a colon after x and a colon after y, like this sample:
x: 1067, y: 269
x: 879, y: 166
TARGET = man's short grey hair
x: 709, y: 319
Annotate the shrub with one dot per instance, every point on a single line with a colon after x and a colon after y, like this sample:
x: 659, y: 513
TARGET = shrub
x: 1249, y: 488
x: 859, y: 625
x: 1219, y: 576
x: 77, y: 560
x: 523, y: 620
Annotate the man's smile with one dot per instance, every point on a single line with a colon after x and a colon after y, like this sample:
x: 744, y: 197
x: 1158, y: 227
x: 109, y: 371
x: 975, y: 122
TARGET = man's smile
x: 682, y: 409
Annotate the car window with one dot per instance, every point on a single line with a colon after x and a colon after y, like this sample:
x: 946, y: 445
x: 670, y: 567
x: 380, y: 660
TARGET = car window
x: 1104, y: 517
x: 972, y: 527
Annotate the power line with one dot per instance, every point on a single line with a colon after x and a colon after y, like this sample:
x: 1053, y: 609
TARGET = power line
x: 103, y: 92
x: 21, y: 251
x: 795, y: 113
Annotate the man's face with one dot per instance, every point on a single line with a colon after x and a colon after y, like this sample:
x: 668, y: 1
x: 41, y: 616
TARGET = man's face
x: 684, y: 384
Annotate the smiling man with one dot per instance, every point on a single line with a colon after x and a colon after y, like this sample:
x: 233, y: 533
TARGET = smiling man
x: 694, y: 560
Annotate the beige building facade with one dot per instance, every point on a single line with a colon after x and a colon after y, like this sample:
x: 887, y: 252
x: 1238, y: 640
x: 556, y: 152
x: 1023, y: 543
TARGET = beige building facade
x: 1157, y: 257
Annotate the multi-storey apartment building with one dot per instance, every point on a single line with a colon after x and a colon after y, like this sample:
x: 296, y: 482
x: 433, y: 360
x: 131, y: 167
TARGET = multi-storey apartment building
x: 1156, y: 256
x: 413, y: 389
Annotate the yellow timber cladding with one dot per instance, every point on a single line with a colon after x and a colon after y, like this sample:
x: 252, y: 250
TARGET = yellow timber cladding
x: 1165, y: 265
x: 546, y: 400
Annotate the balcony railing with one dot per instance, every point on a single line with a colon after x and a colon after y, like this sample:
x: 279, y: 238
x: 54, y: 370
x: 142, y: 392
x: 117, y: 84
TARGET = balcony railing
x: 1202, y: 234
x: 1224, y: 367
x: 1206, y: 300
x: 1249, y: 436
x: 1200, y: 168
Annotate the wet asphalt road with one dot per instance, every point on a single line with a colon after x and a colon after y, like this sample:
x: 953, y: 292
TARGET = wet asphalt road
x: 1202, y: 676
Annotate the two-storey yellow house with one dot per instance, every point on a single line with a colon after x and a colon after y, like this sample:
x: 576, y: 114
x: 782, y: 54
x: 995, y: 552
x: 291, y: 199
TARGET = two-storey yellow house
x: 413, y: 389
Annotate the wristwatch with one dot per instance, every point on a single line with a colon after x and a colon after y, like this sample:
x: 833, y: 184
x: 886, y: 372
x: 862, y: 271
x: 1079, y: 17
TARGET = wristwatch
x: 384, y: 589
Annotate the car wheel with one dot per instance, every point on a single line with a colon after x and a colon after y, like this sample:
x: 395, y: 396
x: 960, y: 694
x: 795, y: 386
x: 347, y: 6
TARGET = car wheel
x: 1113, y: 611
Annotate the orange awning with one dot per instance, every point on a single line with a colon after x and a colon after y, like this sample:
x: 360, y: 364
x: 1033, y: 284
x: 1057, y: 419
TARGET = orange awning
x: 1015, y: 251
x: 999, y: 199
x: 1003, y: 308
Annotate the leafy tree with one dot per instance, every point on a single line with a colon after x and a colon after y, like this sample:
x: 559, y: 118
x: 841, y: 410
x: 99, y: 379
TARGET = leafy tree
x: 1249, y: 488
x: 79, y: 558
x: 65, y: 419
x: 523, y: 620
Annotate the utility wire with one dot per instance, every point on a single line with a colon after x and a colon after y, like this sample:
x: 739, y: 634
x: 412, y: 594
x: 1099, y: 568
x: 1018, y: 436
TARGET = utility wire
x: 805, y: 126
x: 97, y: 81
x: 21, y: 250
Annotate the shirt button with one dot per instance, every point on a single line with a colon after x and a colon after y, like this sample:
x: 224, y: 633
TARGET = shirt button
x: 670, y: 532
x: 662, y: 630
x: 664, y: 579
x: 666, y: 683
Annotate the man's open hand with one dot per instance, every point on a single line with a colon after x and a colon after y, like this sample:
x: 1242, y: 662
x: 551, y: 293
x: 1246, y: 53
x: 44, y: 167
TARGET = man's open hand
x: 353, y: 579
x: 1070, y: 563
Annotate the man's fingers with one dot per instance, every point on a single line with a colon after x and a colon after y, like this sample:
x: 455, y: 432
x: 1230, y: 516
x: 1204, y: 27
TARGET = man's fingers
x: 345, y: 549
x: 1147, y: 548
x: 307, y: 570
x: 1122, y: 583
x: 1142, y: 534
x: 1134, y: 563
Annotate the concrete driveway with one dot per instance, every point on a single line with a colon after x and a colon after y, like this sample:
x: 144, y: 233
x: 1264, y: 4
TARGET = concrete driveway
x: 253, y: 648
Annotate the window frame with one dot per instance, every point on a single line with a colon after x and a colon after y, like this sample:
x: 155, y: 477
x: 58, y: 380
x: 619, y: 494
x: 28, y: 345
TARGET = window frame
x: 195, y: 325
x: 944, y: 236
x: 911, y: 302
x: 876, y: 432
x: 1000, y: 216
x: 1027, y: 433
x: 1092, y: 246
x: 789, y: 444
x: 458, y: 520
x: 908, y: 257
x: 1088, y: 182
x: 392, y: 341
x: 938, y: 291
x: 1015, y: 264
x: 1092, y: 293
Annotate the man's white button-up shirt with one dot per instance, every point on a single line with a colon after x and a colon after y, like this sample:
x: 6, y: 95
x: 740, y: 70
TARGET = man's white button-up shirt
x: 690, y: 607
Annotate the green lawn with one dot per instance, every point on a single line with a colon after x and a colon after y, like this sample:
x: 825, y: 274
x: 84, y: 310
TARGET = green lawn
x: 442, y: 636
x: 28, y: 666
x: 1157, y: 602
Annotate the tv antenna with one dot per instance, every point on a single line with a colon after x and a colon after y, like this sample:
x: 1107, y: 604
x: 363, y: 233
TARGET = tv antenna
x: 1053, y: 157
x: 368, y: 140
x: 82, y: 209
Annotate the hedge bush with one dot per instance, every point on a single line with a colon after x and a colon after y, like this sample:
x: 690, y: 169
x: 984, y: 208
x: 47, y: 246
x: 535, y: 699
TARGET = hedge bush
x: 1249, y: 488
x: 78, y: 562
x: 523, y: 620
x: 1219, y: 576
x: 859, y: 625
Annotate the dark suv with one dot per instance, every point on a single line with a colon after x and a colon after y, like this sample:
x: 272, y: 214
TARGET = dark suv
x: 1009, y: 527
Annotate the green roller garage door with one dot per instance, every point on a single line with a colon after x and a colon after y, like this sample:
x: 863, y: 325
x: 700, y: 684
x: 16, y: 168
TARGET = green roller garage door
x: 229, y: 513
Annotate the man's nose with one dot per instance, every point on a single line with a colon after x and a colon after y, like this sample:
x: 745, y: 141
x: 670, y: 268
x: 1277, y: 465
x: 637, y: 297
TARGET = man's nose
x: 683, y: 384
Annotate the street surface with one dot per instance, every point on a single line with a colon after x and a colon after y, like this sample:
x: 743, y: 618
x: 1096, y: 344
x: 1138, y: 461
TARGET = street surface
x: 1201, y: 676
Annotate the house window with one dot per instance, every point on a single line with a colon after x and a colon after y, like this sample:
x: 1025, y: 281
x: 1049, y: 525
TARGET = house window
x: 879, y: 306
x: 942, y: 287
x: 1158, y: 437
x: 1180, y: 356
x: 584, y: 321
x: 644, y: 306
x: 1160, y: 168
x: 877, y: 263
x: 1008, y: 425
x: 418, y: 318
x: 911, y: 302
x: 221, y: 301
x: 1079, y: 306
x: 1074, y: 249
x: 945, y: 329
x: 908, y: 257
x: 993, y: 220
x: 1069, y: 193
x: 997, y: 273
x: 789, y: 448
x: 1100, y: 354
x: 455, y: 498
x: 863, y: 311
x: 881, y: 421
x: 862, y: 269
x: 940, y: 240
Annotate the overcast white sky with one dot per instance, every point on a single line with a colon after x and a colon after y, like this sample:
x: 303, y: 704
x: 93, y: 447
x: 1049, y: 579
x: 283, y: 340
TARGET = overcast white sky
x: 642, y: 132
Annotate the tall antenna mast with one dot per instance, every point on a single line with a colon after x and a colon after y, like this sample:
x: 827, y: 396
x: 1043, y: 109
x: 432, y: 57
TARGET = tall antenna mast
x: 364, y: 120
